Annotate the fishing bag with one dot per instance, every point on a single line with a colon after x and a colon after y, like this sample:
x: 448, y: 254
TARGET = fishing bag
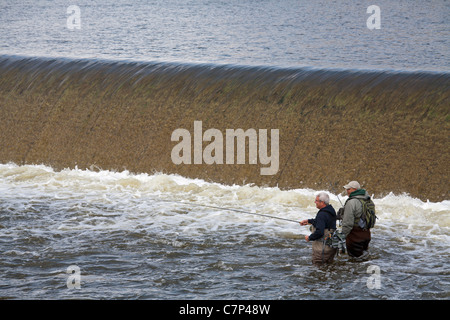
x: 336, y: 240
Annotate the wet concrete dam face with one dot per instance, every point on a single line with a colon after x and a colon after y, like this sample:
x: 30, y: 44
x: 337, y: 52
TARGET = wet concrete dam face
x: 300, y: 128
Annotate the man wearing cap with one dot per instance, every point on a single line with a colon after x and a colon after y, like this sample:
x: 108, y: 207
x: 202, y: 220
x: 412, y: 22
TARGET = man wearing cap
x: 357, y: 239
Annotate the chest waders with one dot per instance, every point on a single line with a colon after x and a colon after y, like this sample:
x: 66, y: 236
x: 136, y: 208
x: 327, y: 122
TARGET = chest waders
x: 322, y: 249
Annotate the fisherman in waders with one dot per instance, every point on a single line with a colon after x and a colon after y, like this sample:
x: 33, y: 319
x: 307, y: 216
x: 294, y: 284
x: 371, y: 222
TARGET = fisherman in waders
x: 357, y: 238
x: 322, y: 227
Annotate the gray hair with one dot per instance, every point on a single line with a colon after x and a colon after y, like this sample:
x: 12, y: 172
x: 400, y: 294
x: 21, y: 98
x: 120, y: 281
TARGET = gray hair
x: 323, y: 196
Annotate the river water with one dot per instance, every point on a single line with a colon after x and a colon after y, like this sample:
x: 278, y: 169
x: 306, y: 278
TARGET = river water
x: 413, y: 35
x: 151, y: 236
x: 158, y: 237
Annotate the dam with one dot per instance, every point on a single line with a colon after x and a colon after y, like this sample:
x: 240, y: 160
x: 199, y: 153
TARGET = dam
x: 387, y: 129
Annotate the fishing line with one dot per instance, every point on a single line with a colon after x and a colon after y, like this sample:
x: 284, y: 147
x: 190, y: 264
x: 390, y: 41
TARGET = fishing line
x: 228, y: 209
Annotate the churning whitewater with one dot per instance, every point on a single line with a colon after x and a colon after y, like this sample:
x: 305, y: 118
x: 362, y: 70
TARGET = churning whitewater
x: 158, y: 236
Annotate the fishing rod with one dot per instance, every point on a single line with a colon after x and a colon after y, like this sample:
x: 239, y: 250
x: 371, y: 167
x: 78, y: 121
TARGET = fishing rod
x: 228, y: 209
x: 339, y: 199
x: 333, y: 189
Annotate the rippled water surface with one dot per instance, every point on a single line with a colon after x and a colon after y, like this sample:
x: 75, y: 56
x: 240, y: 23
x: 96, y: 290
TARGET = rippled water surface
x: 413, y: 35
x: 158, y: 237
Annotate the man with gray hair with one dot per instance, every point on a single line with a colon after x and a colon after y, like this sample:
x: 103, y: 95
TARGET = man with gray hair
x: 322, y: 226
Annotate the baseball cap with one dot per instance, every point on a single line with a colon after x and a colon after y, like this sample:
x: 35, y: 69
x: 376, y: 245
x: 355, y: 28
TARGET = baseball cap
x: 352, y: 184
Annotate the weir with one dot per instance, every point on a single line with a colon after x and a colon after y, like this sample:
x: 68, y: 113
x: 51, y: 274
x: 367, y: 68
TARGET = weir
x: 389, y: 130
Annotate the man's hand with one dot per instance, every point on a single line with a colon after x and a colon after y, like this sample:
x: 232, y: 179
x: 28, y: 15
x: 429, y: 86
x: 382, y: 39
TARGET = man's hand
x: 303, y: 222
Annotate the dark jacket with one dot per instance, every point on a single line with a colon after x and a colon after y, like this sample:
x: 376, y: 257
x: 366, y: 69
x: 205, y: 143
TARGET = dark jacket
x: 325, y: 219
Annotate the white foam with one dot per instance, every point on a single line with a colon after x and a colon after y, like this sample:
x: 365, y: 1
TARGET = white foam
x: 172, y: 201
